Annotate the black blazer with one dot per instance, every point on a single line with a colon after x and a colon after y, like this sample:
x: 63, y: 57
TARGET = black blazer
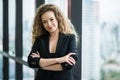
x: 66, y: 43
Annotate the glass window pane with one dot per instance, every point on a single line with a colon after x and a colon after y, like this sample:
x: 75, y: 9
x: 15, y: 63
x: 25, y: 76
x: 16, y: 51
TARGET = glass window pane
x: 11, y: 38
x: 1, y: 67
x: 1, y: 33
x: 110, y: 39
x: 1, y: 24
x: 11, y: 27
x: 28, y: 18
x: 90, y: 41
x: 100, y: 40
x: 11, y: 69
x: 28, y: 73
x: 62, y: 4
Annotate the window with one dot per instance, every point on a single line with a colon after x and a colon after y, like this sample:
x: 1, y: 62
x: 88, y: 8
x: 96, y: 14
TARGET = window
x: 11, y: 26
x: 28, y: 18
x: 62, y: 4
x: 1, y: 33
x: 110, y: 39
x: 100, y: 40
x: 90, y: 41
x: 1, y: 24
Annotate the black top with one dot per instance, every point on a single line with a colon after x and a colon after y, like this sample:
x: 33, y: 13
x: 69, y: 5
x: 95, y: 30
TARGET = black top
x: 66, y: 43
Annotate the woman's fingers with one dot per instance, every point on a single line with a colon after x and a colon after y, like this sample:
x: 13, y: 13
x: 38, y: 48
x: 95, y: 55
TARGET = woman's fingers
x: 67, y: 58
x: 72, y: 60
x: 71, y: 54
x: 38, y: 53
x: 35, y: 55
x: 69, y: 62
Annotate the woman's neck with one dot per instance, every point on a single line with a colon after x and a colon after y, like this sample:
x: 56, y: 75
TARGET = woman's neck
x: 54, y: 34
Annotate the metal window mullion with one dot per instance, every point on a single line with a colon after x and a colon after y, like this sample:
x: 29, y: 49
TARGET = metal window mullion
x: 18, y: 40
x: 76, y: 18
x: 5, y: 40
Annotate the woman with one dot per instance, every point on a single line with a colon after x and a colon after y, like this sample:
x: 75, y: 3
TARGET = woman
x: 54, y: 45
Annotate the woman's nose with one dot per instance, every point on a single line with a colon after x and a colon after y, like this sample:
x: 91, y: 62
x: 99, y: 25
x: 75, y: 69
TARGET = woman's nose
x: 49, y: 23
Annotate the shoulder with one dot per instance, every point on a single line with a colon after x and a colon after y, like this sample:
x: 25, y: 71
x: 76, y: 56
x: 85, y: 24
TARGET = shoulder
x: 43, y: 37
x: 67, y: 35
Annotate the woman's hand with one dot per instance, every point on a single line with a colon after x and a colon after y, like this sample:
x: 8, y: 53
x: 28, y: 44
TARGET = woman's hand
x: 67, y: 58
x: 34, y: 55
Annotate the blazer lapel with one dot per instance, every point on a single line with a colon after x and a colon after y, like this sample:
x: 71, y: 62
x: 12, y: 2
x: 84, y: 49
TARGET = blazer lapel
x: 59, y: 46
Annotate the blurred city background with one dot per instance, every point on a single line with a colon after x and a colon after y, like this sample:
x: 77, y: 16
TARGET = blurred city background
x: 100, y: 41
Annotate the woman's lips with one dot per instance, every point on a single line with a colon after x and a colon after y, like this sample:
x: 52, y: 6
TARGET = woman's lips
x: 50, y: 27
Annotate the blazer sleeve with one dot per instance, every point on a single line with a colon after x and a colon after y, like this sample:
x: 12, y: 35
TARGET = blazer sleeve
x: 71, y: 48
x: 34, y: 62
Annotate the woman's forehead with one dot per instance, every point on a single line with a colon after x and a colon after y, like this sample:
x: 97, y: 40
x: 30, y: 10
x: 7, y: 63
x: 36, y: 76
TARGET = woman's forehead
x: 48, y: 15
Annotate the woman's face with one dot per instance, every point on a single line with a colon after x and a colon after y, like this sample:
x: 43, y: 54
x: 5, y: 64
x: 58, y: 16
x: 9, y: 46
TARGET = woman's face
x: 49, y: 21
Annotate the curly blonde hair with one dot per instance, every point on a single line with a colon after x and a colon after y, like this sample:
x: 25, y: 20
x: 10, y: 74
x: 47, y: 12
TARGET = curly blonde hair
x: 64, y: 24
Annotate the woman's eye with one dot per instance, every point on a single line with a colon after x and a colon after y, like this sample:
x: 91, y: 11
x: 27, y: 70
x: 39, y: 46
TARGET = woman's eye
x: 44, y: 22
x: 51, y: 19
